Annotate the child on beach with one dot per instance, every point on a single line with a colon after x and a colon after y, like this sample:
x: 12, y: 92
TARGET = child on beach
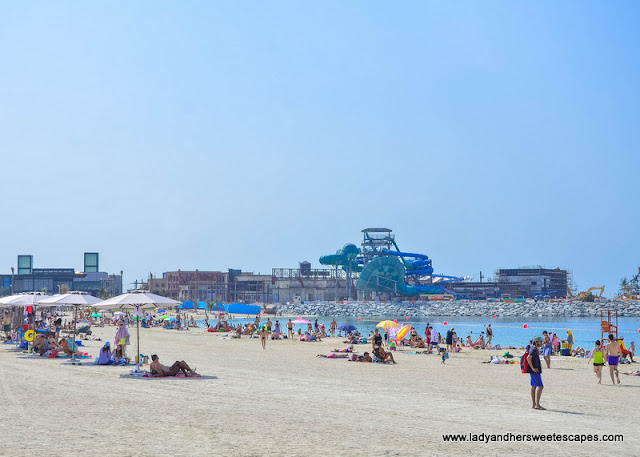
x: 443, y: 353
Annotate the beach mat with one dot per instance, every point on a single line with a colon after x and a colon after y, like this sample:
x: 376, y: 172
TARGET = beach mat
x: 138, y: 376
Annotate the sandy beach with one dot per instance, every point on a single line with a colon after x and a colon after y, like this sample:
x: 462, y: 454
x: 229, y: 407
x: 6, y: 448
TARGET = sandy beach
x: 285, y: 401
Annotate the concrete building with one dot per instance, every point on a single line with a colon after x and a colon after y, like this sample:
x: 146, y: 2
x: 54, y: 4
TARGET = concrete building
x: 302, y: 284
x: 475, y: 290
x: 26, y: 278
x: 192, y: 285
x: 533, y: 282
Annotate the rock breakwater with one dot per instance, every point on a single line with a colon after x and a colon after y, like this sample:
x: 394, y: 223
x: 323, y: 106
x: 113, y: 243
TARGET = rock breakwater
x: 459, y: 308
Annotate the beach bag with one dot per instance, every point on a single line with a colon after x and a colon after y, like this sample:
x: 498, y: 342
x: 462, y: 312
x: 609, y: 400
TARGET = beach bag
x: 523, y: 362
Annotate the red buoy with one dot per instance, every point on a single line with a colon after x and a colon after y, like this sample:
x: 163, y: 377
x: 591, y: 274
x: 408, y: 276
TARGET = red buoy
x: 445, y: 322
x: 525, y: 326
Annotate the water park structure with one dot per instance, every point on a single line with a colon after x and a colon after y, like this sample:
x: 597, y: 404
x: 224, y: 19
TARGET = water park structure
x: 383, y: 268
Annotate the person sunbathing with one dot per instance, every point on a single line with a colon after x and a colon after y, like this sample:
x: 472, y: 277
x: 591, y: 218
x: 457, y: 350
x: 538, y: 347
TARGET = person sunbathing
x: 349, y: 349
x: 66, y: 347
x: 626, y: 353
x: 479, y: 343
x: 105, y: 357
x: 386, y: 357
x: 157, y: 369
x: 632, y: 373
x: 365, y: 358
x: 333, y: 356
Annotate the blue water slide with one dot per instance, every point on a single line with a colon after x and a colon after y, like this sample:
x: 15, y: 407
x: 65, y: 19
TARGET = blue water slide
x: 447, y: 278
x: 405, y: 254
x: 421, y: 266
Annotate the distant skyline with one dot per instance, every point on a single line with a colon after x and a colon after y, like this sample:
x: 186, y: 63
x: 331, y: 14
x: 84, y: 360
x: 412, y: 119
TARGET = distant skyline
x: 254, y: 135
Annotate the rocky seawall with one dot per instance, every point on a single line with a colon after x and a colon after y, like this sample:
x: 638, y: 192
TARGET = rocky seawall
x: 459, y: 308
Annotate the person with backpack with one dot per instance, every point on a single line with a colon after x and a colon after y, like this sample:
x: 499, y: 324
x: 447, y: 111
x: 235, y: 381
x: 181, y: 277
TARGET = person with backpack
x: 534, y: 368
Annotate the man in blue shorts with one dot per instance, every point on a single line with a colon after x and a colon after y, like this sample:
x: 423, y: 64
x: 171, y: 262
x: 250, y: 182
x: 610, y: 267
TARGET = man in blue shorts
x: 534, y: 368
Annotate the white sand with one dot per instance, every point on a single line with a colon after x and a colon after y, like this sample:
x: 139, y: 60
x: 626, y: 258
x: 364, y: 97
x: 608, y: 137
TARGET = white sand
x: 284, y: 400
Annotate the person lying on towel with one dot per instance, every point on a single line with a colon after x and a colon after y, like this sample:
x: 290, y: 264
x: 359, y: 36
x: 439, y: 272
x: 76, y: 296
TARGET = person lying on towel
x: 157, y: 369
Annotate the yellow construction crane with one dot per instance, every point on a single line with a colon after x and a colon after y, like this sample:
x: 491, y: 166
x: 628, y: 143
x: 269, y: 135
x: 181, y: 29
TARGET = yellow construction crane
x: 583, y: 295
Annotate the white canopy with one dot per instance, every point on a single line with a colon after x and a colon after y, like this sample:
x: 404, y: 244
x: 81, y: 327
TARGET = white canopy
x: 75, y: 298
x: 27, y: 299
x: 138, y: 301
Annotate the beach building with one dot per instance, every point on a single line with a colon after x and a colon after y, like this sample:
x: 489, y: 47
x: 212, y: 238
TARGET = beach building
x: 475, y: 290
x: 295, y: 285
x: 186, y: 285
x: 282, y: 285
x: 26, y: 278
x: 532, y: 282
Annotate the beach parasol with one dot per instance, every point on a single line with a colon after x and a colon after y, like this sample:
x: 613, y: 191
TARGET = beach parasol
x: 138, y: 301
x: 119, y: 313
x: 161, y: 311
x: 387, y: 325
x: 26, y: 299
x: 347, y: 328
x: 96, y: 315
x: 75, y: 299
x: 301, y: 321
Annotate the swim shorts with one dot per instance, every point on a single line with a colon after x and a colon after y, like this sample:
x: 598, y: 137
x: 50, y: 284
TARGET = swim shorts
x: 613, y: 360
x: 536, y: 380
x: 598, y: 364
x: 7, y: 328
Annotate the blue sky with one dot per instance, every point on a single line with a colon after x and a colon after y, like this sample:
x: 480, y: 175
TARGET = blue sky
x: 258, y: 134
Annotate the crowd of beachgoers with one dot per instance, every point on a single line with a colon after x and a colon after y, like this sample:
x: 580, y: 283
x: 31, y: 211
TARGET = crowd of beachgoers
x: 388, y: 338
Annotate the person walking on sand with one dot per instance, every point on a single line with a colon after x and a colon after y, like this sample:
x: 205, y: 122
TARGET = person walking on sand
x: 334, y: 325
x: 534, y: 368
x: 613, y: 357
x: 489, y: 335
x: 547, y: 347
x: 263, y: 336
x: 598, y: 360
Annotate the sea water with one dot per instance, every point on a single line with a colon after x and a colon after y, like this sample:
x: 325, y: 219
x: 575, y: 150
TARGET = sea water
x: 506, y: 331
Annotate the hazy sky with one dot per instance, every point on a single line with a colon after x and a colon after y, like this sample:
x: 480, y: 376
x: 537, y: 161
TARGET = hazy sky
x: 254, y: 135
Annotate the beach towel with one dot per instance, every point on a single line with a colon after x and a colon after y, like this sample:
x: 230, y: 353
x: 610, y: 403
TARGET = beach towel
x: 147, y: 375
x: 120, y: 334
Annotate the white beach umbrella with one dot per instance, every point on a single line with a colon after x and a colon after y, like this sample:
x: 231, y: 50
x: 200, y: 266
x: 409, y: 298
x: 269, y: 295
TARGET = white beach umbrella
x: 26, y: 299
x: 75, y: 299
x: 138, y: 301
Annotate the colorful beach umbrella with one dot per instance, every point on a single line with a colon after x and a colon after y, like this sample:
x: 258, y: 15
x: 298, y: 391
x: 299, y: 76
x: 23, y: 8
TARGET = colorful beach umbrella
x: 96, y: 315
x: 387, y: 325
x: 301, y: 321
x: 347, y: 328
